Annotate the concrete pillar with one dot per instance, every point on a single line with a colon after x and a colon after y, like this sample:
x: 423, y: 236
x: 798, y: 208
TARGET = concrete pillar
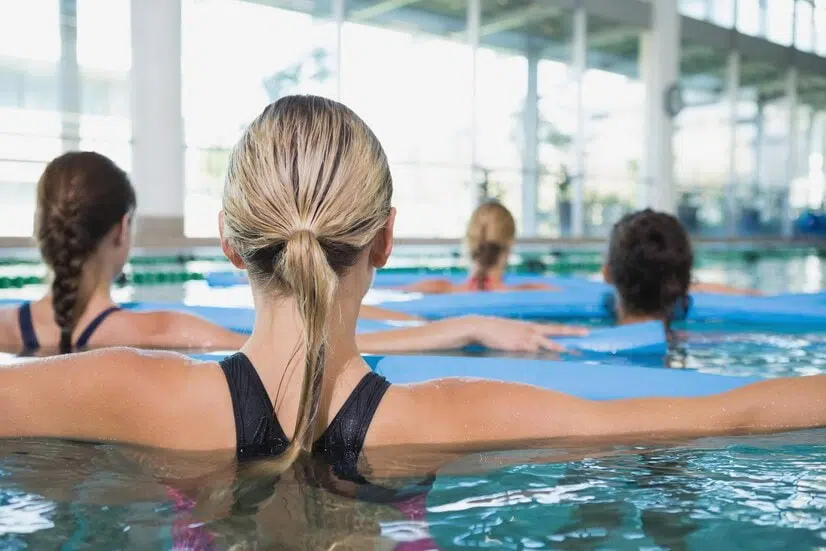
x: 660, y: 67
x: 579, y: 61
x: 69, y: 77
x: 157, y: 120
x: 530, y: 156
x: 792, y: 148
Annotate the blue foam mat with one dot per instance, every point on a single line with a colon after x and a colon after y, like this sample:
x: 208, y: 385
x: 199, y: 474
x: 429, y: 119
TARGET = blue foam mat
x: 527, y: 304
x: 595, y: 382
x: 643, y: 338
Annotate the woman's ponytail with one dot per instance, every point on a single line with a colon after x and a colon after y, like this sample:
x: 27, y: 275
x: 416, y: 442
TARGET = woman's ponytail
x: 313, y: 284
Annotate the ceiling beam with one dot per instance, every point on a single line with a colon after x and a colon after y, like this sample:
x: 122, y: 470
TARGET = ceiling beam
x: 514, y: 19
x: 363, y: 15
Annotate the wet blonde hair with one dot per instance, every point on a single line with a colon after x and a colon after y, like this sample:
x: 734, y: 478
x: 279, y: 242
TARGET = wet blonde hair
x: 490, y: 234
x: 308, y: 189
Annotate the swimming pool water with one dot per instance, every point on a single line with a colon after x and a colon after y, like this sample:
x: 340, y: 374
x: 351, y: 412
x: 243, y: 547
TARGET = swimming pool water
x: 734, y: 493
x: 765, y: 492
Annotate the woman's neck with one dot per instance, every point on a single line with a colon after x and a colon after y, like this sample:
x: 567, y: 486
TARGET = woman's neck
x: 625, y: 317
x: 495, y: 274
x: 276, y: 343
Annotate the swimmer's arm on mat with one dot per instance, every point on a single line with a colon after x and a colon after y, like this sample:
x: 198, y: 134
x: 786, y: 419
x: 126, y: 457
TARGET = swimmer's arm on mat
x: 478, y: 414
x: 495, y: 333
x: 376, y: 313
x: 430, y: 287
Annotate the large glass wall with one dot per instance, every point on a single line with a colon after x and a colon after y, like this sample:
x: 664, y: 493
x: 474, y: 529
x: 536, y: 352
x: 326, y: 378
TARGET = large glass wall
x: 237, y: 57
x: 614, y: 97
x: 702, y: 141
x: 762, y: 149
x: 64, y: 84
x: 413, y: 89
x: 557, y: 122
x: 455, y: 120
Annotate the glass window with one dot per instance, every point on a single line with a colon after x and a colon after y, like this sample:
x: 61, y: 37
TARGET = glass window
x: 29, y: 122
x: 702, y: 141
x: 264, y: 52
x: 820, y: 29
x: 104, y: 55
x: 557, y: 132
x: 414, y: 90
x: 804, y: 26
x: 500, y: 133
x: 750, y: 17
x: 780, y: 21
x: 698, y: 9
x: 614, y: 98
x: 722, y: 12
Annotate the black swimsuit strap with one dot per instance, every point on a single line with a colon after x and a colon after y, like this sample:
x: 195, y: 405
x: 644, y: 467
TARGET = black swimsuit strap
x: 27, y: 334
x: 84, y: 337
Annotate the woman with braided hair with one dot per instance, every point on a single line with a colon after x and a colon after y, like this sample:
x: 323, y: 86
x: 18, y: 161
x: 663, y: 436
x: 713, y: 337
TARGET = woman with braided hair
x: 85, y: 206
x: 83, y: 228
x: 307, y: 211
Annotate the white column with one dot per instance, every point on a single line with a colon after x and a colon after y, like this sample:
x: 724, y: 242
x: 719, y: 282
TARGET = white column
x: 69, y: 77
x: 792, y: 147
x: 474, y: 22
x: 579, y: 60
x: 530, y: 161
x: 157, y: 119
x: 660, y: 56
x: 732, y: 97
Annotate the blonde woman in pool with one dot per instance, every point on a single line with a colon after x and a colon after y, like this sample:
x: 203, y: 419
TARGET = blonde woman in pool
x: 491, y: 233
x: 307, y: 210
x: 83, y: 227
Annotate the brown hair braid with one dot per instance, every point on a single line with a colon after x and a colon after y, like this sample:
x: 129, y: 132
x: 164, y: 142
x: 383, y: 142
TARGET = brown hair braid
x: 81, y: 196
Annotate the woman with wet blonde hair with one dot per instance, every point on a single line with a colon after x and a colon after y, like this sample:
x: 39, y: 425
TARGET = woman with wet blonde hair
x: 491, y: 233
x: 308, y: 212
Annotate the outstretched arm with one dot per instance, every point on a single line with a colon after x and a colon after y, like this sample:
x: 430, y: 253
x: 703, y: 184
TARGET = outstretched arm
x: 486, y: 414
x: 453, y: 333
x: 430, y: 287
x: 376, y: 313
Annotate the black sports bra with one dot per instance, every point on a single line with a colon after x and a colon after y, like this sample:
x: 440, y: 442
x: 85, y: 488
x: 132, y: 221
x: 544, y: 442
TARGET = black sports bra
x: 30, y: 342
x: 259, y: 434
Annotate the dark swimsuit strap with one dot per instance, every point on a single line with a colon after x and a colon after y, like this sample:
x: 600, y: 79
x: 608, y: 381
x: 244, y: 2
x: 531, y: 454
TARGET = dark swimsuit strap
x: 29, y: 337
x: 83, y: 339
x: 27, y: 334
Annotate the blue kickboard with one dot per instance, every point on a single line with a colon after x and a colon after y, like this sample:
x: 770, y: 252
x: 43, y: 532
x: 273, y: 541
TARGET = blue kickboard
x: 595, y: 382
x: 637, y: 339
